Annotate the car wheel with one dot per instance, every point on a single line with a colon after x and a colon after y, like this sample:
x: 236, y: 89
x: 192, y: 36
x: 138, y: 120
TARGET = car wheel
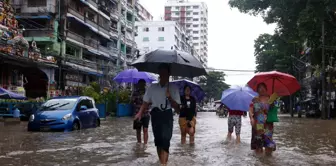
x: 75, y: 126
x: 98, y: 122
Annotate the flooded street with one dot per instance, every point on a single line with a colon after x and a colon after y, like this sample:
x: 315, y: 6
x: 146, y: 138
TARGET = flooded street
x: 299, y: 142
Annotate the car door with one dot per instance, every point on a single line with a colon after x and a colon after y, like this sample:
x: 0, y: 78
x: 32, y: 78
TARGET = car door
x: 92, y: 114
x: 83, y: 115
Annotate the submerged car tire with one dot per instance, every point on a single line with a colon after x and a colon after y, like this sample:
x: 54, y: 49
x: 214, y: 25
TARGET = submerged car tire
x: 98, y: 122
x: 75, y: 126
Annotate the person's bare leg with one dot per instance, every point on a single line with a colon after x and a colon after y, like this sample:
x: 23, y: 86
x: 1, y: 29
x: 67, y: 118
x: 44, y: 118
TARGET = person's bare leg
x: 145, y: 133
x: 159, y: 152
x: 259, y: 151
x: 191, y: 135
x: 138, y: 135
x: 183, y: 135
x: 238, y: 139
x: 229, y: 136
x: 268, y: 151
x: 164, y: 157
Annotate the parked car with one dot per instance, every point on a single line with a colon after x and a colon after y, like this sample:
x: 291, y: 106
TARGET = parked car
x: 27, y: 109
x: 65, y: 114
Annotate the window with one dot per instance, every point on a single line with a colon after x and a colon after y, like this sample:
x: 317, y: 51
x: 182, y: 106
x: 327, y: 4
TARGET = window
x: 195, y: 38
x: 161, y: 39
x: 195, y: 13
x: 195, y: 19
x: 188, y: 7
x: 195, y: 25
x: 177, y: 7
x: 195, y: 7
x: 188, y: 13
x: 145, y: 39
x: 37, y: 3
x: 161, y: 29
x: 177, y: 13
x: 195, y: 32
x: 188, y: 25
x: 146, y: 29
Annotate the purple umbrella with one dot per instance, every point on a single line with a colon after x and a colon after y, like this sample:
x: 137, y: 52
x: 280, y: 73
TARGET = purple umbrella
x: 196, y: 90
x: 6, y: 94
x: 133, y: 76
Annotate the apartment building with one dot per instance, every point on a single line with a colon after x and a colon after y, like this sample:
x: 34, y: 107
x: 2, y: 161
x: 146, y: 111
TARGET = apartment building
x: 193, y: 16
x: 92, y: 39
x: 161, y: 35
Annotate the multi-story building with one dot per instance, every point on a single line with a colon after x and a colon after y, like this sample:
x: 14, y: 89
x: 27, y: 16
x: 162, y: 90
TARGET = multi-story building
x: 161, y: 35
x: 142, y: 13
x: 194, y: 17
x: 92, y: 39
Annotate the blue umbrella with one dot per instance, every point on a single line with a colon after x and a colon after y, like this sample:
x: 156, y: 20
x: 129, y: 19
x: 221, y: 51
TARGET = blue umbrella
x: 238, y: 98
x: 196, y: 90
x: 6, y: 94
x: 133, y: 76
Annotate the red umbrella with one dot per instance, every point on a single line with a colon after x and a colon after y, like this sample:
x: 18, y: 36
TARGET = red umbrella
x: 281, y: 83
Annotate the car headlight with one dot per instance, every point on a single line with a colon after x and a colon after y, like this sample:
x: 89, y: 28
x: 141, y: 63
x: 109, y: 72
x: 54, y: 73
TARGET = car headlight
x: 67, y: 117
x: 31, y: 118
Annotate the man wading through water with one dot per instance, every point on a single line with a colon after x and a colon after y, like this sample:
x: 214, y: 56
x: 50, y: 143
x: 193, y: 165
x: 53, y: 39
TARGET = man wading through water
x: 163, y: 97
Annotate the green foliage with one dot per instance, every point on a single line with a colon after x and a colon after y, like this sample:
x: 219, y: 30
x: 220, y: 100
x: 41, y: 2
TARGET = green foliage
x: 124, y: 96
x: 214, y: 84
x: 298, y: 21
x: 273, y: 53
x: 94, y: 92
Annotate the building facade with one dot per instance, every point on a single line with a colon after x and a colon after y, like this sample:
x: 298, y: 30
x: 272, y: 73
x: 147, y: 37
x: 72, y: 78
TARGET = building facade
x: 87, y: 40
x: 193, y: 16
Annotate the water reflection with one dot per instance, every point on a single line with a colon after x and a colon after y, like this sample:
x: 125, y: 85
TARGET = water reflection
x: 299, y: 142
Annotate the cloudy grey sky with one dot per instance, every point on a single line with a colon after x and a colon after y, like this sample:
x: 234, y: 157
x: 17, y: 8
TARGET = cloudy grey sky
x: 231, y: 37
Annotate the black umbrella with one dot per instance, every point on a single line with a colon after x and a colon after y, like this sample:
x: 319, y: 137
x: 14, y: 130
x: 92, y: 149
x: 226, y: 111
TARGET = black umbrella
x: 181, y: 63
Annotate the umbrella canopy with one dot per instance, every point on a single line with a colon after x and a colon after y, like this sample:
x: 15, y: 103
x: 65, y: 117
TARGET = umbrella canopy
x: 281, y: 83
x: 181, y: 63
x: 196, y: 90
x: 6, y: 94
x: 133, y: 76
x: 238, y: 98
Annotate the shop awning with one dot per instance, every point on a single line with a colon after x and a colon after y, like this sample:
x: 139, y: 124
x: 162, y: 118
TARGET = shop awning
x: 89, y: 26
x: 84, y: 69
x: 34, y: 17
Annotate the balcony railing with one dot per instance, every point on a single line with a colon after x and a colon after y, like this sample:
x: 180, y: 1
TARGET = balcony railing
x: 75, y: 13
x: 23, y: 7
x: 114, y: 32
x: 75, y: 37
x: 91, y: 42
x: 114, y: 14
x: 104, y: 49
x: 46, y: 32
x: 104, y: 29
x: 129, y: 24
x: 93, y: 2
x: 94, y: 24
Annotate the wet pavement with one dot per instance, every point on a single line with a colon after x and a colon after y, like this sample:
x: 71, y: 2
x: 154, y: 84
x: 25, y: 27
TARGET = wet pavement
x: 299, y: 142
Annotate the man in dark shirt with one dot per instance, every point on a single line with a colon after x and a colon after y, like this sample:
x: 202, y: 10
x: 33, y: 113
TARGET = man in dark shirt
x: 137, y: 99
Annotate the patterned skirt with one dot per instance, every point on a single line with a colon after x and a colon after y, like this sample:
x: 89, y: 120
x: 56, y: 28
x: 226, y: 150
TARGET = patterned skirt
x: 262, y: 136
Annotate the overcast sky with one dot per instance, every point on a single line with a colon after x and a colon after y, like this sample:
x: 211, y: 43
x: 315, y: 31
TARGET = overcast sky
x: 231, y: 37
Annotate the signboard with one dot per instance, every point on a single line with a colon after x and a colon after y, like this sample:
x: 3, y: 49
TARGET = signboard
x: 74, y: 77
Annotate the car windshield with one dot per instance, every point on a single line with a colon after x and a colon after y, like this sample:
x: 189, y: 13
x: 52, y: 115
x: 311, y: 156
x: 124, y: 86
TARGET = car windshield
x: 58, y: 104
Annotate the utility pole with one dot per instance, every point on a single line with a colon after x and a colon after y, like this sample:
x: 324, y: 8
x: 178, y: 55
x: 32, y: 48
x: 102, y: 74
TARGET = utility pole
x: 323, y: 75
x: 329, y: 83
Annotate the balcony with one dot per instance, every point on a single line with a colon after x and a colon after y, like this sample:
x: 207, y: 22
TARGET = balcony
x: 23, y: 8
x: 93, y: 2
x: 114, y: 14
x: 75, y: 13
x: 130, y: 8
x: 45, y: 32
x: 129, y: 25
x: 75, y: 37
x: 104, y: 49
x: 91, y: 22
x: 91, y: 42
x: 114, y: 33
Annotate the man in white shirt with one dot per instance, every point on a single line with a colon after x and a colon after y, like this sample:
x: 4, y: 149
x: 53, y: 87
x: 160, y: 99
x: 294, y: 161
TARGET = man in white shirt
x: 163, y: 97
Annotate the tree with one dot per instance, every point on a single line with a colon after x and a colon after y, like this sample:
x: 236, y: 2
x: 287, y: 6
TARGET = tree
x: 298, y: 21
x: 214, y: 84
x: 272, y: 53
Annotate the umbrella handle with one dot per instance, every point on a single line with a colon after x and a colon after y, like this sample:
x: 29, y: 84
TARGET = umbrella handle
x: 166, y: 105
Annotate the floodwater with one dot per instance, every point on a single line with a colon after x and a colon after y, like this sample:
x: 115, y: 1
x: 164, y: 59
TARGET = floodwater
x: 299, y: 142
